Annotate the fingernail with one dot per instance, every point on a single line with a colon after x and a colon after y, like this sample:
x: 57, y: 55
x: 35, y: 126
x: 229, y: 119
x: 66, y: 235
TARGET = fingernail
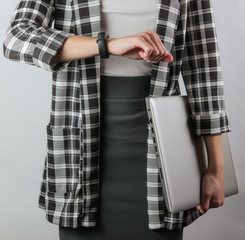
x: 169, y: 58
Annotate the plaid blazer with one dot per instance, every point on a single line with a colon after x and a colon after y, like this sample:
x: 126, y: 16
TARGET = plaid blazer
x: 69, y: 191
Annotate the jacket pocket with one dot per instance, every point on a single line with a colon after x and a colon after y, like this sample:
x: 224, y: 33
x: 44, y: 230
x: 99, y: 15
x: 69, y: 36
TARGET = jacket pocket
x: 63, y: 157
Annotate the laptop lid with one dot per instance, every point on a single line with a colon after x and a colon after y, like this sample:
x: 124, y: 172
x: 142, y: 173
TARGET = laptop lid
x: 181, y: 155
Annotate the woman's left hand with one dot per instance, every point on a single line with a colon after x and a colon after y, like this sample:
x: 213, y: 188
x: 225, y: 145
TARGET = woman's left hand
x: 212, y: 191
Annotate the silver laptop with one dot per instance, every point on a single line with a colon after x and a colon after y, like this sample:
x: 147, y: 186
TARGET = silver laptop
x: 181, y: 155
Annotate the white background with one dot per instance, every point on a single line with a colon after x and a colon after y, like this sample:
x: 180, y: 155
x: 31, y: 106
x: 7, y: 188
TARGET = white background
x: 25, y: 98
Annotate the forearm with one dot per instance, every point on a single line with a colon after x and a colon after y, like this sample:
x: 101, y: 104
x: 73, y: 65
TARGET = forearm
x: 213, y: 181
x: 146, y: 45
x: 76, y: 47
x: 215, y: 153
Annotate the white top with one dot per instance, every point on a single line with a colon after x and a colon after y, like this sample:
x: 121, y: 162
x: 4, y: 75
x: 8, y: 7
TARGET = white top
x: 122, y: 18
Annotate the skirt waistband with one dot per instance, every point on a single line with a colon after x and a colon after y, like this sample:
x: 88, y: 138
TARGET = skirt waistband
x: 125, y: 86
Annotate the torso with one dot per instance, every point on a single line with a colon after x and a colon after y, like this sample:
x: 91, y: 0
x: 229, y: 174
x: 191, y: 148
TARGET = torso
x: 121, y: 18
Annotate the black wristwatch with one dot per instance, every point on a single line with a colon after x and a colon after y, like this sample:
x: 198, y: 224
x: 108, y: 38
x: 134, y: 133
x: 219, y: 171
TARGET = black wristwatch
x: 102, y: 45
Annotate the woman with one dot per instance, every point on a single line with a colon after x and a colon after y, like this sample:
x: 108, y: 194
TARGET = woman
x: 100, y: 179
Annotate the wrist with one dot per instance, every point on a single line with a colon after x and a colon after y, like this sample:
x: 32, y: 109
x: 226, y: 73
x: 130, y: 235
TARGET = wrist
x: 110, y: 45
x: 102, y: 44
x: 96, y: 46
x: 216, y: 162
x: 216, y: 167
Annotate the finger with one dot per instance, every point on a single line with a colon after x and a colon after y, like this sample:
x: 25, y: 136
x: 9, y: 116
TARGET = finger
x: 158, y: 43
x: 205, y: 201
x: 154, y: 40
x: 163, y: 55
x: 160, y: 58
x: 161, y: 46
x: 168, y: 58
x: 150, y: 38
x: 147, y: 49
x: 214, y: 203
x: 199, y: 209
x: 164, y: 50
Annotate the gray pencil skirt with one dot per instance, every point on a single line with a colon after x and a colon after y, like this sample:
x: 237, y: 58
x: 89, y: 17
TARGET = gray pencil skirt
x: 123, y: 204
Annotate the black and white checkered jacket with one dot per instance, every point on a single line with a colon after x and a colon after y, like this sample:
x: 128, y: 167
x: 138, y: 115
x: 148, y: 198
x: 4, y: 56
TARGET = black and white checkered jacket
x: 69, y: 191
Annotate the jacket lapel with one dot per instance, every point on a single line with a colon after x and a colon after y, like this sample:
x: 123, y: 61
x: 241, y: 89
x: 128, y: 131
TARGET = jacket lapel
x: 167, y: 23
x: 86, y: 17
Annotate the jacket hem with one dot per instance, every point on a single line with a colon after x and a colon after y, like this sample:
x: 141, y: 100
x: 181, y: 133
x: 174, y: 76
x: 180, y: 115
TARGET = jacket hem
x: 59, y: 222
x: 170, y: 225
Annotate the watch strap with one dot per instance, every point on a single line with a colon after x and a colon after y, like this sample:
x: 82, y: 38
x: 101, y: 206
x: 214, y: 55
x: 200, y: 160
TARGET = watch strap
x: 102, y: 44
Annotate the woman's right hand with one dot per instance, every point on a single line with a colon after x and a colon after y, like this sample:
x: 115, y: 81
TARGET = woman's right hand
x: 145, y: 45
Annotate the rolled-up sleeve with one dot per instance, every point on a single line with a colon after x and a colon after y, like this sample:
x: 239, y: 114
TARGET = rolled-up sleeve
x: 31, y: 39
x: 201, y: 71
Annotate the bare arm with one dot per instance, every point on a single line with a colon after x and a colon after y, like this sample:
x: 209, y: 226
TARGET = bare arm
x: 215, y: 153
x: 146, y: 45
x: 213, y: 180
x: 76, y: 47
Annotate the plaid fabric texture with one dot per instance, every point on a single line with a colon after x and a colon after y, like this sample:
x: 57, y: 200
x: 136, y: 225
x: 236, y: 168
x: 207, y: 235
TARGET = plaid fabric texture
x: 63, y: 149
x: 69, y: 191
